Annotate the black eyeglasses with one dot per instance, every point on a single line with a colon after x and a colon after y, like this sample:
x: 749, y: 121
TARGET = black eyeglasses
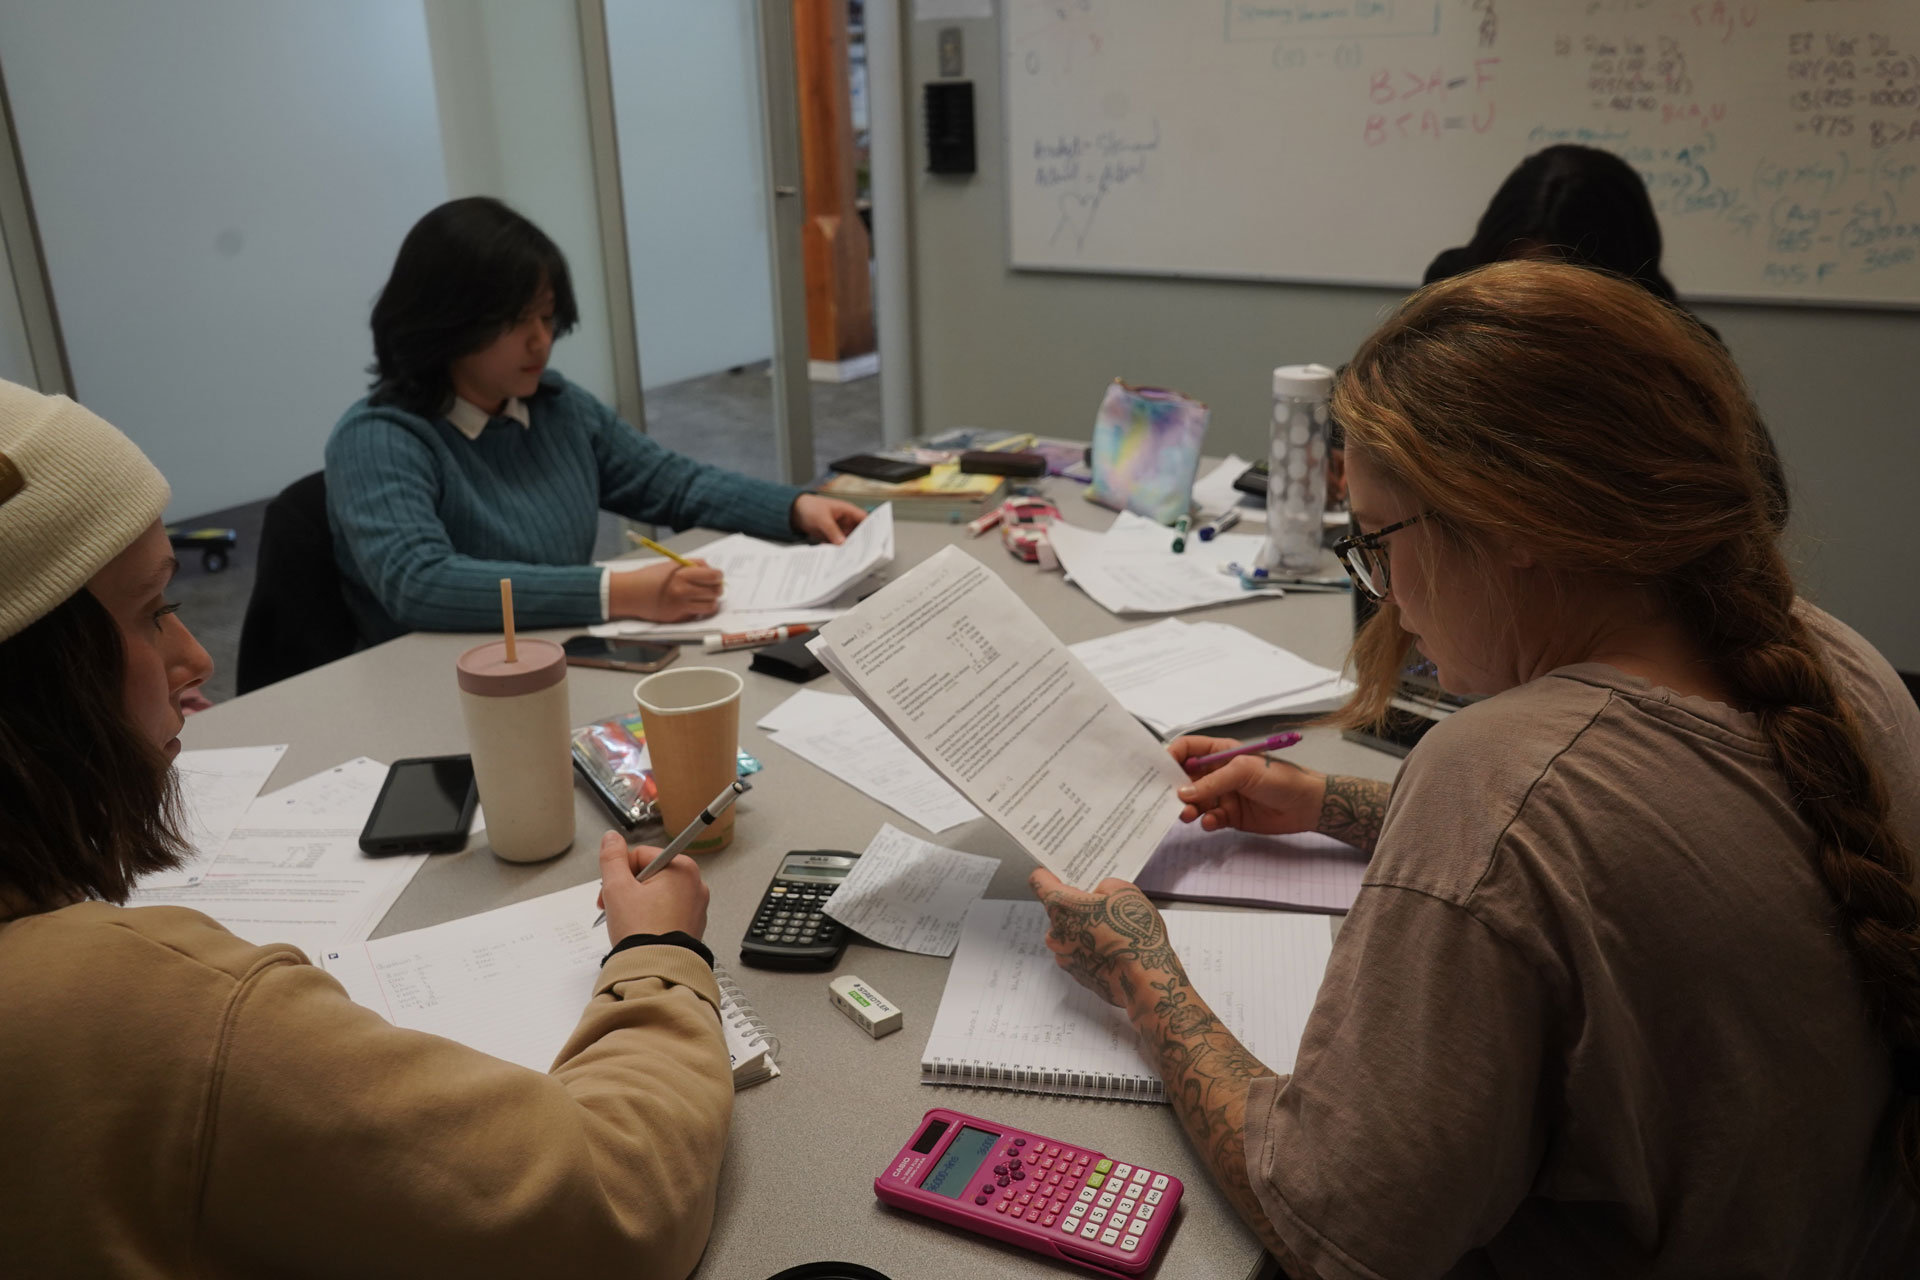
x: 1365, y: 556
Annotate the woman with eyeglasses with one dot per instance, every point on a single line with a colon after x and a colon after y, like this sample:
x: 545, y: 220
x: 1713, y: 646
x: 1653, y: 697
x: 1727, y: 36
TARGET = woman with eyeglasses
x: 1633, y: 985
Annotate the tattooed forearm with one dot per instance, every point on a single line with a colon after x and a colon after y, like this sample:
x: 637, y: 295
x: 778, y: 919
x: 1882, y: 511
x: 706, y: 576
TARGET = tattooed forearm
x: 1207, y: 1073
x: 1354, y: 809
x: 1116, y: 943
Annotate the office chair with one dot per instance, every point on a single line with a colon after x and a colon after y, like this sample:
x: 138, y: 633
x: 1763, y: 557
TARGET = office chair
x: 297, y: 617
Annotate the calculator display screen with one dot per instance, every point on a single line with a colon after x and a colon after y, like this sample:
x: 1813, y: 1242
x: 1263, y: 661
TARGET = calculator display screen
x: 816, y: 867
x: 953, y: 1174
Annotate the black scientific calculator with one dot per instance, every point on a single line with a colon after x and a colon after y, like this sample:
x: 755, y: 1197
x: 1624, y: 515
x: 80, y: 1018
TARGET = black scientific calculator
x: 790, y: 931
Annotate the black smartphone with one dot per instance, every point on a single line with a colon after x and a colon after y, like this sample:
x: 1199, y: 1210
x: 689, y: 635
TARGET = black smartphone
x: 1253, y: 480
x: 425, y: 806
x: 617, y: 653
x: 871, y: 466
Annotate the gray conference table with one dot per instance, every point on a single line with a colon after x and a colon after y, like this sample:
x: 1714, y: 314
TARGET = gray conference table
x: 797, y: 1185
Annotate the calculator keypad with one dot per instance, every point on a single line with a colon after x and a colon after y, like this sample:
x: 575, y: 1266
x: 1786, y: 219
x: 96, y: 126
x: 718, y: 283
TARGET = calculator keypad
x: 1071, y: 1192
x: 792, y: 915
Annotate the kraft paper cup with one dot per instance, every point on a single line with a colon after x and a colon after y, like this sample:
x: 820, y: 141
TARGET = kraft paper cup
x: 692, y: 719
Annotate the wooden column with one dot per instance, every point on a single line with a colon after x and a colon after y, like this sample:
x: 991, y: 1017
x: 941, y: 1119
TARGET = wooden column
x: 834, y: 247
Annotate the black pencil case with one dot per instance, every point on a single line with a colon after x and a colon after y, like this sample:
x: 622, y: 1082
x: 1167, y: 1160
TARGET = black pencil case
x: 790, y: 660
x: 989, y: 462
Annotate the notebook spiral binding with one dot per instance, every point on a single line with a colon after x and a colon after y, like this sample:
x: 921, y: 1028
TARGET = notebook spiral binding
x: 975, y: 1074
x: 745, y: 1018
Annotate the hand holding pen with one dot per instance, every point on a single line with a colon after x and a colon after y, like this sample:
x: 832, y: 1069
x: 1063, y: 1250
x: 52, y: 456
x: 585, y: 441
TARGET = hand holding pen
x: 720, y: 804
x: 1230, y: 785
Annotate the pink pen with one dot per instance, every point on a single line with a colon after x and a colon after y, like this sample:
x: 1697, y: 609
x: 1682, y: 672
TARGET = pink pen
x: 1274, y: 743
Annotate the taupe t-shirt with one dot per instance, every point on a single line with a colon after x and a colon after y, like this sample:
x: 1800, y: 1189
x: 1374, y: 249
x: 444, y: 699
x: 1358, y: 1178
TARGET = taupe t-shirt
x: 1591, y: 1014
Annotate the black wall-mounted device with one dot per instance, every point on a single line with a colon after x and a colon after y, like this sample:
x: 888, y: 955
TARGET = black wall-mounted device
x: 949, y: 110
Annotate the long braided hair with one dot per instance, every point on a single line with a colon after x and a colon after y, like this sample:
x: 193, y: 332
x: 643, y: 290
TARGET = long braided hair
x: 1573, y: 413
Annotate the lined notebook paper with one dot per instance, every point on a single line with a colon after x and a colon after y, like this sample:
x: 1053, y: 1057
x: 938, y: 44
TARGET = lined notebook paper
x: 1011, y: 1018
x: 513, y: 982
x: 1301, y: 873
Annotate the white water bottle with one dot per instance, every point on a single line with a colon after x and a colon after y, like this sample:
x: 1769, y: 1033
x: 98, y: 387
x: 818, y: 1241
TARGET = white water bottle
x: 1297, y: 467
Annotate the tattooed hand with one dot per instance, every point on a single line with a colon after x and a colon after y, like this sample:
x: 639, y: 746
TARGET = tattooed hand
x: 1111, y: 940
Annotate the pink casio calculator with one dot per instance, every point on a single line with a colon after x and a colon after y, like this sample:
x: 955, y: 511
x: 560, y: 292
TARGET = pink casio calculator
x: 1051, y: 1197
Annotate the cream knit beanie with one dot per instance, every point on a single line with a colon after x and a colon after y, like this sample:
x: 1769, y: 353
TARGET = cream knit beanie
x: 74, y: 493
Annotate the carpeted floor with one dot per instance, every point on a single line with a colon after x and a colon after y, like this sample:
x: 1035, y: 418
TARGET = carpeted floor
x: 724, y: 418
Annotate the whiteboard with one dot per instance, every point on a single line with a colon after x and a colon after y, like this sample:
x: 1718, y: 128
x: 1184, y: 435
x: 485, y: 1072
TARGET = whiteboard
x: 1349, y: 141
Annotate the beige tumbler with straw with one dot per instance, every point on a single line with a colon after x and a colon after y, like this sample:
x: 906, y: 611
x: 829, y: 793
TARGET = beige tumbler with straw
x: 692, y: 719
x: 514, y: 699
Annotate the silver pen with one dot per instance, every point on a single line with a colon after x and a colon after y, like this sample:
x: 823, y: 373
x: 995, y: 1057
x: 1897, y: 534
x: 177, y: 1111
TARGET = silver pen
x: 708, y: 816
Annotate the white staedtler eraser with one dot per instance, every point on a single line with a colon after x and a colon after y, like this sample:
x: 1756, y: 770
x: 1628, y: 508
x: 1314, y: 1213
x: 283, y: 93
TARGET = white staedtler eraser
x: 870, y: 1011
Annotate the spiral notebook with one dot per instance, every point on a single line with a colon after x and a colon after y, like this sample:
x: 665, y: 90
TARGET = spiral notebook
x: 512, y: 982
x: 1011, y: 1018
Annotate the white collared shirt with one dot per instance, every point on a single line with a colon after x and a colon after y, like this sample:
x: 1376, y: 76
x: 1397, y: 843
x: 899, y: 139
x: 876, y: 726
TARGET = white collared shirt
x: 469, y: 419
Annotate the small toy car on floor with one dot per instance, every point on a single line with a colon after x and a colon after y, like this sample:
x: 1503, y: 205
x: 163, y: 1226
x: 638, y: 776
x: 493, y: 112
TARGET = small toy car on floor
x: 214, y: 545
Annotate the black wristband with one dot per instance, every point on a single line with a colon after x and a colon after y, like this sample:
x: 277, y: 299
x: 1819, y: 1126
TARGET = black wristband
x: 678, y: 938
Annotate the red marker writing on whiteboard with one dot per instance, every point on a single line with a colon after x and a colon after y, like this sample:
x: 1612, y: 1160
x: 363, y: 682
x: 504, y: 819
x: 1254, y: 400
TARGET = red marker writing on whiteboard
x: 751, y: 639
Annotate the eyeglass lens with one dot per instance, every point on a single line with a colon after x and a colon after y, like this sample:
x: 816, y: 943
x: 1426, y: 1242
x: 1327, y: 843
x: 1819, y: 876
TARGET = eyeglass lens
x: 1365, y: 564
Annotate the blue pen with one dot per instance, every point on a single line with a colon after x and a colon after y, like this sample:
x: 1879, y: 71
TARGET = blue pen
x: 1220, y: 524
x: 1249, y: 578
x: 1180, y: 528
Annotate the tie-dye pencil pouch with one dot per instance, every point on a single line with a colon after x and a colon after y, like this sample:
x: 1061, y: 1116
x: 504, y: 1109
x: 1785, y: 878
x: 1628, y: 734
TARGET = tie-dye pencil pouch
x: 1146, y: 451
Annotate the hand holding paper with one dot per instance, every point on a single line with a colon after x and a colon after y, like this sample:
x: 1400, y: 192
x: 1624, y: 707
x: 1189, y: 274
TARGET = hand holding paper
x: 952, y: 661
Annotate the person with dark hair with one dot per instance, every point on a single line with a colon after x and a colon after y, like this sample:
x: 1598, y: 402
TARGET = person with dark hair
x: 1577, y: 204
x: 1632, y: 985
x: 472, y: 461
x: 177, y: 1101
x: 1588, y: 207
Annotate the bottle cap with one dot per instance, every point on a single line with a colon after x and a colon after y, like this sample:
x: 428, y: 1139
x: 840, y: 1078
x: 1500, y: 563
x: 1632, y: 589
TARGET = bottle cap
x: 484, y: 669
x: 1312, y: 380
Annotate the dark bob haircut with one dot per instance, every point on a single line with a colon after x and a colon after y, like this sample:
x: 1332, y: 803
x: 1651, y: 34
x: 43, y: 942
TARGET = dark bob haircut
x: 466, y: 273
x: 1579, y: 204
x: 87, y: 805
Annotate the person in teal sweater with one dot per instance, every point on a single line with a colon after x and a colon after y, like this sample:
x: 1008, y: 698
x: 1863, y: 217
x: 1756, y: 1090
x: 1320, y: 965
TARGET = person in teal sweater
x: 471, y: 461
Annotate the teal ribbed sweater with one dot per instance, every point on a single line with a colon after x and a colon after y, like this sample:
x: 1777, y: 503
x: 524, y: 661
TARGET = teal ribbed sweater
x: 427, y: 522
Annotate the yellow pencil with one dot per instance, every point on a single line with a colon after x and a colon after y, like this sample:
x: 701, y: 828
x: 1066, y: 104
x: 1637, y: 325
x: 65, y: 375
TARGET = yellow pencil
x: 640, y: 540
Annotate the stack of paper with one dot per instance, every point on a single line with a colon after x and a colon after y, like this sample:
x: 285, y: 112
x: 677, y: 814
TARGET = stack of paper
x: 762, y: 576
x: 292, y: 871
x: 1214, y: 492
x: 909, y: 893
x: 836, y: 733
x: 1305, y: 872
x: 1180, y: 676
x: 216, y: 786
x: 1133, y: 568
x: 770, y: 584
x: 725, y: 622
x: 513, y: 982
x: 952, y: 661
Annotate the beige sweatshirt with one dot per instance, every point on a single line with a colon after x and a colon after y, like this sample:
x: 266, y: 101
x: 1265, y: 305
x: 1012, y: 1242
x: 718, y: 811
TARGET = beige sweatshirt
x: 175, y: 1101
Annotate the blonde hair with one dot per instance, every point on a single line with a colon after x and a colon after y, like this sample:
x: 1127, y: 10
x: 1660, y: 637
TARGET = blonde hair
x: 1572, y: 413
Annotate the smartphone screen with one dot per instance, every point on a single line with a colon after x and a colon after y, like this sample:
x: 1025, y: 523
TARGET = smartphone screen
x: 618, y: 653
x: 426, y: 804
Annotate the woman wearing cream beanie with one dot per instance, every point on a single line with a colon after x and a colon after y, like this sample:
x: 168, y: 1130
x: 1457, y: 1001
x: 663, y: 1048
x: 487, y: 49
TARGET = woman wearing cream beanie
x: 177, y: 1101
